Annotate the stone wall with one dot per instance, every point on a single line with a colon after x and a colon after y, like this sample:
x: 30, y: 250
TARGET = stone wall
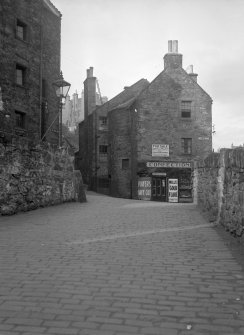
x: 36, y: 176
x: 220, y: 190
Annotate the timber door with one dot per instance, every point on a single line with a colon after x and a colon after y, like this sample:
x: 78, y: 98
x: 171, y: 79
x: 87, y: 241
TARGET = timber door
x: 159, y: 188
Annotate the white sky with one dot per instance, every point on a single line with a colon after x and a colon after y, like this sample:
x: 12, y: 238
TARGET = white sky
x: 125, y: 40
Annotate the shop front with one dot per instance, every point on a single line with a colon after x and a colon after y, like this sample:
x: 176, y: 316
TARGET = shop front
x: 166, y: 182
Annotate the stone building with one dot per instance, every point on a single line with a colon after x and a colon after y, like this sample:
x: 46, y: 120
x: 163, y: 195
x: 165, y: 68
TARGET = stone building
x: 29, y: 64
x: 92, y: 158
x: 154, y: 131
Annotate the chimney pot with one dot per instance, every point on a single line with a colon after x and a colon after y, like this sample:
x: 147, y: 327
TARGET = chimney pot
x: 170, y: 46
x: 175, y: 46
x: 91, y: 71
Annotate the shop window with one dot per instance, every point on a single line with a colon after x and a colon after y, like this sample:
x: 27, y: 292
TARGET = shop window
x: 186, y: 146
x: 103, y: 149
x: 19, y: 119
x: 186, y: 109
x: 125, y: 164
x: 21, y: 30
x: 20, y: 75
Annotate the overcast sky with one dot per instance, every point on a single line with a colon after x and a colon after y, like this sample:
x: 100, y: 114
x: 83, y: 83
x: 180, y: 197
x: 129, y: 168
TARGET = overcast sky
x: 125, y: 40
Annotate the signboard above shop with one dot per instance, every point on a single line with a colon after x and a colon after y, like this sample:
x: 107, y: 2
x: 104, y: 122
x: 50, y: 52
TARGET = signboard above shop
x: 169, y: 164
x: 160, y: 150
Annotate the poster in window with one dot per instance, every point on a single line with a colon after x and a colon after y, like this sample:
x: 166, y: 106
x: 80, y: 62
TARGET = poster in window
x: 144, y: 188
x: 173, y: 190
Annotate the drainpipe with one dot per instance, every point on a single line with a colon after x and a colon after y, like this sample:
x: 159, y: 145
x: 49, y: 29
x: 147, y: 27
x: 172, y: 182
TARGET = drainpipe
x: 41, y: 73
x: 221, y: 180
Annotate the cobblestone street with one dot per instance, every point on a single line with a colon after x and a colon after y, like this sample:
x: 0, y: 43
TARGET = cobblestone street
x: 117, y: 267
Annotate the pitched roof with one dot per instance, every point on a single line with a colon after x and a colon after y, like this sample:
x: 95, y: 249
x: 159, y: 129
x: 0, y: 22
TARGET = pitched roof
x: 52, y: 8
x: 124, y: 97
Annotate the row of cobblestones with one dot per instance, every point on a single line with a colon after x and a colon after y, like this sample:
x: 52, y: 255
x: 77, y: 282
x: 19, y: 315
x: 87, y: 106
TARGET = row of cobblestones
x: 117, y: 267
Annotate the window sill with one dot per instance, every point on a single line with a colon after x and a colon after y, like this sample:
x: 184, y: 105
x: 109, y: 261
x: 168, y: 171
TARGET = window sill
x: 187, y: 119
x: 23, y: 87
x: 22, y: 40
x: 20, y: 131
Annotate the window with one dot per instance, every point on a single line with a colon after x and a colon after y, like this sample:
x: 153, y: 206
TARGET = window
x: 186, y: 145
x: 103, y: 182
x: 20, y: 119
x: 186, y: 109
x: 125, y: 164
x: 103, y: 149
x: 103, y: 123
x: 21, y: 30
x: 20, y: 75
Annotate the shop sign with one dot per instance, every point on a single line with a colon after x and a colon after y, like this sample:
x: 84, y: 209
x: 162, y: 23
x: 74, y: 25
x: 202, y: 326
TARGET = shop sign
x: 173, y: 190
x: 144, y: 188
x: 169, y: 164
x: 160, y: 150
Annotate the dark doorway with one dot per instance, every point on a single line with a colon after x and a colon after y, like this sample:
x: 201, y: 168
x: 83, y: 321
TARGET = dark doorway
x: 159, y: 188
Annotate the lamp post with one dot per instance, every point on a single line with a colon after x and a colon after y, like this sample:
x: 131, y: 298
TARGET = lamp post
x: 62, y: 88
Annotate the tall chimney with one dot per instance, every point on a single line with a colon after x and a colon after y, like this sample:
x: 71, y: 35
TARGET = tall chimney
x: 89, y: 93
x: 191, y: 73
x: 172, y: 59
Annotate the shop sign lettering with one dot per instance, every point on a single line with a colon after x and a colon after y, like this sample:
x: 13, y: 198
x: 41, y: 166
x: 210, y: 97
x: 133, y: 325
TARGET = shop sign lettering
x: 169, y: 164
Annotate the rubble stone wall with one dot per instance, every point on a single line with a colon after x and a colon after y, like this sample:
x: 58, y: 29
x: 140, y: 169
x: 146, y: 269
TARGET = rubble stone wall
x: 220, y: 188
x: 34, y: 176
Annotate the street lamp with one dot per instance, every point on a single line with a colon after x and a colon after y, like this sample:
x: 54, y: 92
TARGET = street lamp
x: 62, y: 88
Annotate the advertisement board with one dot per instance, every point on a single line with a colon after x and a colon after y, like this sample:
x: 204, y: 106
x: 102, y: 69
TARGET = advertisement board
x: 173, y: 190
x: 160, y: 150
x: 144, y: 188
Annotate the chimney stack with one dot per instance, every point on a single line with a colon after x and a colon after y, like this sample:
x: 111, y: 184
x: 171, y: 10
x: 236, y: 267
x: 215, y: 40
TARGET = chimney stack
x: 172, y: 59
x: 191, y: 73
x: 89, y: 93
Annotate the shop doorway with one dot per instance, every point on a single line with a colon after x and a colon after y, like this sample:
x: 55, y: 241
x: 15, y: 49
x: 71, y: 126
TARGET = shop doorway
x: 159, y: 188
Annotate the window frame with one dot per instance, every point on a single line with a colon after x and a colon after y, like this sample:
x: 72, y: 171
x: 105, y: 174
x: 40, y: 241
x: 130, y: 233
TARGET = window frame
x: 23, y: 69
x: 20, y: 124
x: 185, y: 141
x: 103, y: 123
x: 186, y: 107
x: 123, y: 165
x: 23, y: 25
x: 103, y: 149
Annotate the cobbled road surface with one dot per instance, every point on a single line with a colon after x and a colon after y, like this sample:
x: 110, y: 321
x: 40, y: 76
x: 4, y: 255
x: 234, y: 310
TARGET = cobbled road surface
x: 117, y: 267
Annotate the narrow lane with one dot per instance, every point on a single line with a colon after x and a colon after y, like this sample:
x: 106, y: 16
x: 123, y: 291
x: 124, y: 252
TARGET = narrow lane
x: 116, y: 266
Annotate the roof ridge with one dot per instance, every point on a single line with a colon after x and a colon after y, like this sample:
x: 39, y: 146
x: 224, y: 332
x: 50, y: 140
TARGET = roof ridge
x: 51, y: 6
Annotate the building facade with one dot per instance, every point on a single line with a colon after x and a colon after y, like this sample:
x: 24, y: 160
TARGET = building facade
x: 154, y: 136
x: 29, y: 64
